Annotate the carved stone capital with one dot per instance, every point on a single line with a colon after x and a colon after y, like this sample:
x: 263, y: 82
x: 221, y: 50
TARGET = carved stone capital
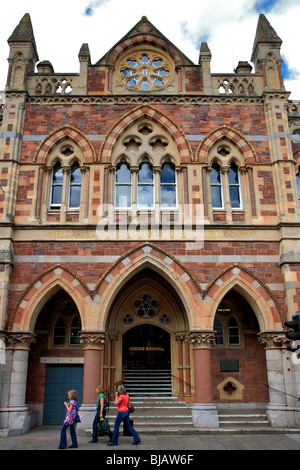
x: 93, y: 340
x: 201, y: 339
x: 274, y: 339
x: 19, y: 340
x: 180, y: 336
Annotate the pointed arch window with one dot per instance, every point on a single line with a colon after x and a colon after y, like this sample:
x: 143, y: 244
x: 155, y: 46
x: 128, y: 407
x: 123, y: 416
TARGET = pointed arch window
x: 145, y: 193
x: 59, y: 333
x: 168, y: 193
x: 219, y: 332
x: 233, y: 331
x: 234, y: 186
x: 75, y: 328
x: 56, y: 186
x: 123, y: 185
x: 75, y: 186
x: 216, y: 186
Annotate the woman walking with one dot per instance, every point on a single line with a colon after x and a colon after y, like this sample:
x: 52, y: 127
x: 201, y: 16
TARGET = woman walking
x: 100, y: 413
x: 69, y: 421
x: 122, y: 401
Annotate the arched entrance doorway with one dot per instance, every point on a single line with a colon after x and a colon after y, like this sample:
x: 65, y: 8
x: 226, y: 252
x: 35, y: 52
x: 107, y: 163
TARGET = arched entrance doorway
x: 146, y: 347
x: 146, y: 318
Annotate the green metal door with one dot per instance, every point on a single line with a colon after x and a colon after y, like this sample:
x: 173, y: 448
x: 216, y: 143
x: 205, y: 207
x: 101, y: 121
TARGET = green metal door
x: 59, y: 380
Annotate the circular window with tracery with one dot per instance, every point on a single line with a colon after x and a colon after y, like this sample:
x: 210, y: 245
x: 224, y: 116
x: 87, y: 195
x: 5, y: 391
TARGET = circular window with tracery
x: 146, y: 307
x: 145, y: 71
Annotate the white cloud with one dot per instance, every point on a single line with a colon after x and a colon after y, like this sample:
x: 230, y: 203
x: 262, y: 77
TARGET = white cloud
x: 60, y: 28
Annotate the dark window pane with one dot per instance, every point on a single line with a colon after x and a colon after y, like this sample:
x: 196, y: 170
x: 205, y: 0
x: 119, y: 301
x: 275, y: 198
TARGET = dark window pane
x: 234, y: 196
x: 215, y: 176
x: 57, y: 174
x: 216, y: 198
x: 74, y: 331
x: 167, y: 174
x: 219, y: 335
x: 59, y: 333
x: 75, y: 196
x: 233, y: 177
x: 56, y: 195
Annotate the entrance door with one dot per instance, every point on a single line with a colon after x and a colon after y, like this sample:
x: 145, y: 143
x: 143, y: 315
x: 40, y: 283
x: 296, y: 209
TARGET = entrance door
x: 146, y: 347
x: 59, y: 380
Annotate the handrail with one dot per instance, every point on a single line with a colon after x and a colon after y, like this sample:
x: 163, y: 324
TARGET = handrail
x: 115, y: 383
x: 181, y: 380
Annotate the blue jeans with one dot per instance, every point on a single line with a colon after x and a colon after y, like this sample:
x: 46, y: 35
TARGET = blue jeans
x: 123, y: 416
x: 63, y: 436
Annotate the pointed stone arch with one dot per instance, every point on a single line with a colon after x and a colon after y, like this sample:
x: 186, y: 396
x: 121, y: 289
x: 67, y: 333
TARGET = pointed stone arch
x: 129, y: 264
x: 233, y: 136
x: 61, y: 134
x: 35, y: 295
x: 262, y: 300
x: 146, y: 111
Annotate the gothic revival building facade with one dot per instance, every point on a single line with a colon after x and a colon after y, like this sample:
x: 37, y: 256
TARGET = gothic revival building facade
x: 149, y: 219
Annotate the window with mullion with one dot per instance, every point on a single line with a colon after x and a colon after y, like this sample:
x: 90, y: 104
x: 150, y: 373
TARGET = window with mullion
x: 74, y: 186
x: 123, y: 186
x: 216, y: 187
x: 145, y: 187
x: 234, y: 187
x: 168, y: 193
x: 56, y: 186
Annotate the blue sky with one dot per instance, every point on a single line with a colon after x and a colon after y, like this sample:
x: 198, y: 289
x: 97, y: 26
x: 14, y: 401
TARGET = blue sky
x: 228, y: 26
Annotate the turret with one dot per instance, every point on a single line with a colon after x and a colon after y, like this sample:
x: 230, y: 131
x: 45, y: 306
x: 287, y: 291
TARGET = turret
x: 266, y: 54
x: 22, y: 54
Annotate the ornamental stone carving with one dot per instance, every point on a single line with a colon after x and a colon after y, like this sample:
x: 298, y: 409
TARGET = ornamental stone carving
x: 201, y: 339
x: 20, y: 340
x: 96, y: 340
x: 274, y: 339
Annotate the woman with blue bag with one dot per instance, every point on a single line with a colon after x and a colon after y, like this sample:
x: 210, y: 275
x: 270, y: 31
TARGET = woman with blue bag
x: 70, y: 420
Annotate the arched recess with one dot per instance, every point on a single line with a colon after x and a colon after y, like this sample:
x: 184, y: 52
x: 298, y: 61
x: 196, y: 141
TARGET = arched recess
x: 148, y: 316
x: 262, y: 301
x: 59, y: 135
x: 158, y: 260
x: 146, y: 111
x: 40, y: 290
x: 236, y: 138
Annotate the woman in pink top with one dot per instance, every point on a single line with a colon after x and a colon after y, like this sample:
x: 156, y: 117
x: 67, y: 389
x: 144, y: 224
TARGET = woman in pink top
x: 122, y: 401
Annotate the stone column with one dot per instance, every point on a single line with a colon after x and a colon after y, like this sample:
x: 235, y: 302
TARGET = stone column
x: 283, y: 408
x: 14, y: 414
x: 204, y: 410
x: 92, y: 345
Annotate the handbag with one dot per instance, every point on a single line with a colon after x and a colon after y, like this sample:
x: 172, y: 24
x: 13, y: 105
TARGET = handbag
x: 131, y: 408
x: 77, y: 418
x: 103, y: 427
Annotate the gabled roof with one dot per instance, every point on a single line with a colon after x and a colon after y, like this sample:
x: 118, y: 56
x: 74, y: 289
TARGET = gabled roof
x: 144, y: 31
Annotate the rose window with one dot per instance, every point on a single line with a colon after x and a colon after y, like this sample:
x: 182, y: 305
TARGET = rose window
x: 146, y: 307
x: 145, y: 71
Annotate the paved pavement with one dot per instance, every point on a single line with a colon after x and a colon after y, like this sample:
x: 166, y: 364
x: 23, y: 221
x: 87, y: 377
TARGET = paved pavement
x: 47, y: 438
